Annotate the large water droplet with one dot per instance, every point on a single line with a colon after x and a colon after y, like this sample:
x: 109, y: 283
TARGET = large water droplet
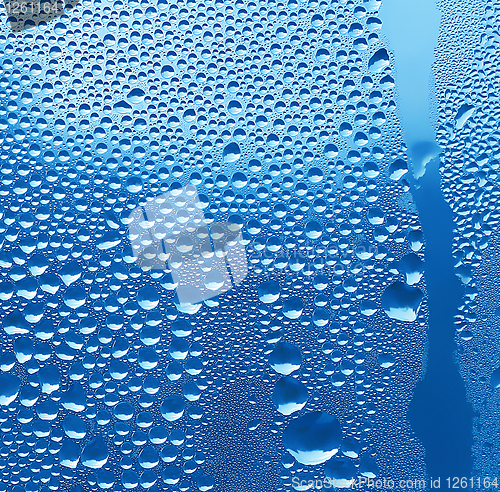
x: 401, y: 302
x: 313, y: 438
x: 289, y: 395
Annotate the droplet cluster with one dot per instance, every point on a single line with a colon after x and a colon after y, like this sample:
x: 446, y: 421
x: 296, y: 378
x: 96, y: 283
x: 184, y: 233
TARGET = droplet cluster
x: 467, y: 86
x: 282, y: 115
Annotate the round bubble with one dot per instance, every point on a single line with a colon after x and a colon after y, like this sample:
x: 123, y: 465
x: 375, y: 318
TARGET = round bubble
x: 341, y: 472
x: 293, y: 307
x: 289, y: 395
x: 285, y: 358
x: 74, y: 427
x: 269, y: 292
x: 402, y: 302
x: 172, y: 408
x: 9, y: 388
x: 95, y: 453
x: 313, y: 438
x: 181, y: 328
x: 148, y: 297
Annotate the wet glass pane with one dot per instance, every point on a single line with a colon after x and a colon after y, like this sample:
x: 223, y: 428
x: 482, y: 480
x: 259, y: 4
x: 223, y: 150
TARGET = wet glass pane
x: 249, y: 245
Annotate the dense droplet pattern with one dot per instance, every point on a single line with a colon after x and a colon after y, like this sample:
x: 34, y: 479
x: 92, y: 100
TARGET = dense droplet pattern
x: 467, y: 111
x: 282, y: 116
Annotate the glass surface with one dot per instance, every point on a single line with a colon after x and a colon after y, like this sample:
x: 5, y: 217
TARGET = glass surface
x: 249, y: 245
